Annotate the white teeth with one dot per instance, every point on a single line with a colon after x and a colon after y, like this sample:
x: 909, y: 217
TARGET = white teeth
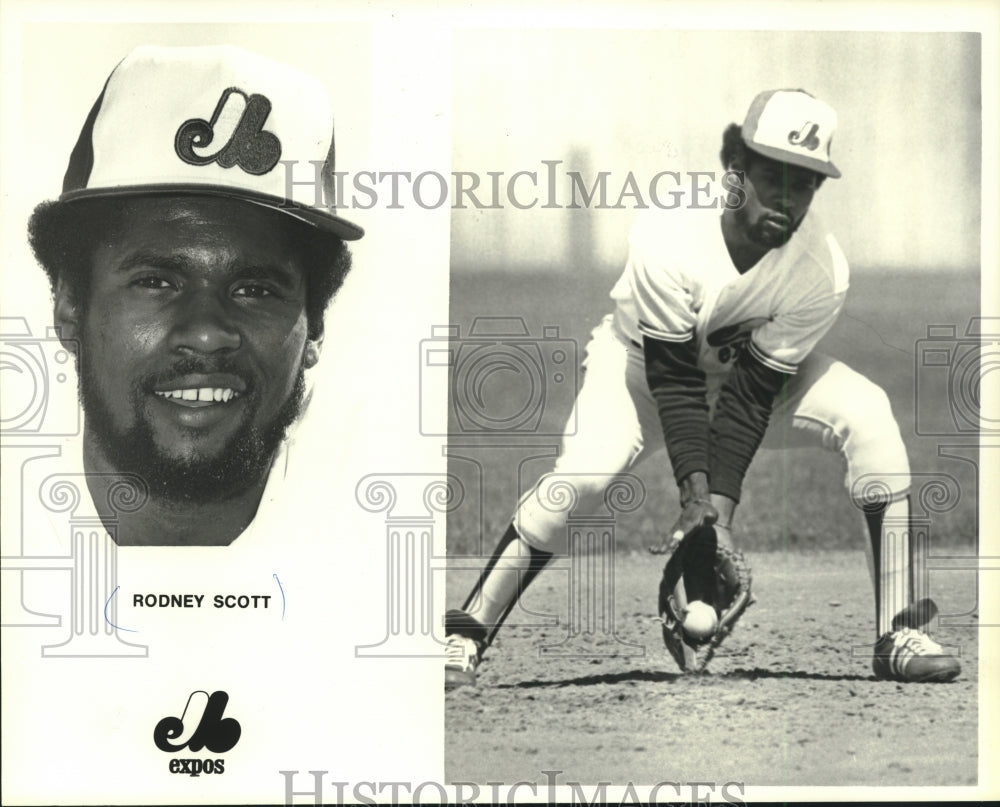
x: 206, y: 394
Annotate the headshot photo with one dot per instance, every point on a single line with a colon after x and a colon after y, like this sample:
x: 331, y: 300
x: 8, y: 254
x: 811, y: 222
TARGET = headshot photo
x: 205, y: 335
x: 190, y: 285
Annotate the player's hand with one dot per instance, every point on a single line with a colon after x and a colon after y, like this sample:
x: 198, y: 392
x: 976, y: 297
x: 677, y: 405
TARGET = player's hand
x: 696, y: 513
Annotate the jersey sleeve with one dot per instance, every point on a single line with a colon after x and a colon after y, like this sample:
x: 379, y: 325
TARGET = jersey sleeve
x: 663, y: 295
x: 677, y: 385
x: 808, y: 311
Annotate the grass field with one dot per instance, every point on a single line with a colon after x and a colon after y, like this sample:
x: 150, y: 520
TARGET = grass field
x: 792, y: 499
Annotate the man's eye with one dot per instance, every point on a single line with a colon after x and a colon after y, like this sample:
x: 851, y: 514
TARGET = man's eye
x: 152, y: 282
x: 254, y: 290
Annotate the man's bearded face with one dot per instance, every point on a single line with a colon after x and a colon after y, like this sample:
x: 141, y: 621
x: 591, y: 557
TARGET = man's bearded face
x: 193, y: 345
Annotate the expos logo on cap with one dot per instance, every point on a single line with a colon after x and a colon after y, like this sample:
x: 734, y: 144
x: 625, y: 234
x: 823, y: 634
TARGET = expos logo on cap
x: 248, y: 145
x: 794, y: 127
x: 214, y: 120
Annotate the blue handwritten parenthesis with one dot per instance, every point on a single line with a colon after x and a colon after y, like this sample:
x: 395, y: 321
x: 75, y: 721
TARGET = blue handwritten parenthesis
x: 275, y: 576
x: 112, y: 624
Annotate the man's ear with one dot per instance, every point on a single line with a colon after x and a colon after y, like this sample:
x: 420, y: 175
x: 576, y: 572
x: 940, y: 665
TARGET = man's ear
x: 311, y: 356
x: 66, y: 316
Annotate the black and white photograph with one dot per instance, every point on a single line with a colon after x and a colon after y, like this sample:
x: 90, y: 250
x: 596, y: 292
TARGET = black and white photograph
x: 436, y: 403
x: 196, y: 377
x: 715, y: 308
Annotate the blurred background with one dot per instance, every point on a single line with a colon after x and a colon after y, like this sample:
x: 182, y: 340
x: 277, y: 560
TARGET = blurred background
x: 644, y: 101
x: 906, y: 212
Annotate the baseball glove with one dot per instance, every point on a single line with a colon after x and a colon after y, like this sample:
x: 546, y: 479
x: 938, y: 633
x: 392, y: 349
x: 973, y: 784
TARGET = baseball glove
x: 700, y: 568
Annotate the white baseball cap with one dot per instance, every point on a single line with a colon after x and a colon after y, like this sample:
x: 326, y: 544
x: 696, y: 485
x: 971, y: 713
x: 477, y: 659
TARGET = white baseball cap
x: 794, y: 127
x: 217, y: 121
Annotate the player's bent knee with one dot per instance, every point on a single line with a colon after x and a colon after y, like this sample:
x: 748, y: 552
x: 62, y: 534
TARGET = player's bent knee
x: 543, y: 513
x: 874, y: 448
x: 870, y: 414
x: 579, y: 493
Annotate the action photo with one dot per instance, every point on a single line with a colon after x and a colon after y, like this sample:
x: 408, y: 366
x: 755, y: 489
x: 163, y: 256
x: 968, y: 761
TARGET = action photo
x: 716, y: 343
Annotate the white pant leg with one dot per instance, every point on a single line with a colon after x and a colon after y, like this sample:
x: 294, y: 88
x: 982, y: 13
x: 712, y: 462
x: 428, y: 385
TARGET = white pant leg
x: 830, y: 405
x: 615, y: 421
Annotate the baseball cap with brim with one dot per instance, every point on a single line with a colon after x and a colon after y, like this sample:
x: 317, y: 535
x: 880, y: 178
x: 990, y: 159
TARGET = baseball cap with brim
x: 793, y: 127
x: 211, y: 121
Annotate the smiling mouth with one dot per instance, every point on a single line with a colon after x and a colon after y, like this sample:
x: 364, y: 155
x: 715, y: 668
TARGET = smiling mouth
x: 199, y: 394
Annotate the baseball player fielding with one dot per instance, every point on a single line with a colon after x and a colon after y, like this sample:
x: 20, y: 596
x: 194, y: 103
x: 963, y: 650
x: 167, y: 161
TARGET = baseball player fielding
x: 709, y: 353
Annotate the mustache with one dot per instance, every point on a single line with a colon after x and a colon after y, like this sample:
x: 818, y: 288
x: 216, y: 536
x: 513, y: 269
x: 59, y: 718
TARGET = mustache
x: 198, y: 365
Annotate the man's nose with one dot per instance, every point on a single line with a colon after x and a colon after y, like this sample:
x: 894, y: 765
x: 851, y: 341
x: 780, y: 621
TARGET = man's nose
x: 203, y: 324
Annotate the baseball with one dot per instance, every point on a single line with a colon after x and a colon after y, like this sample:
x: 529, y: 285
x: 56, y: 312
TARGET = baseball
x: 700, y: 622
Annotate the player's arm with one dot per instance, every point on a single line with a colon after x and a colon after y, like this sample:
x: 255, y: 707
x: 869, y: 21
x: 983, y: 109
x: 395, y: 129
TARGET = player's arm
x: 741, y: 417
x: 678, y: 386
x: 666, y: 299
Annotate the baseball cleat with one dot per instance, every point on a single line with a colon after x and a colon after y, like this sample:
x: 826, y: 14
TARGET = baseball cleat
x: 911, y: 655
x: 462, y: 657
x: 465, y: 643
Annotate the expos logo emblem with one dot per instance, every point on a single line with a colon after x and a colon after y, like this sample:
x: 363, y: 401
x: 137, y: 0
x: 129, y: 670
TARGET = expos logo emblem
x: 211, y: 731
x: 239, y: 119
x: 805, y: 136
x: 732, y: 339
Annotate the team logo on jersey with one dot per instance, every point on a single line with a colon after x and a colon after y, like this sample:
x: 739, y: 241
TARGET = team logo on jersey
x: 732, y: 339
x: 238, y: 124
x: 805, y: 136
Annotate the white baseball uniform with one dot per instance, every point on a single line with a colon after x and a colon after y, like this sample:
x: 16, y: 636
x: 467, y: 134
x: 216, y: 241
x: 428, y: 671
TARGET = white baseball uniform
x: 680, y: 282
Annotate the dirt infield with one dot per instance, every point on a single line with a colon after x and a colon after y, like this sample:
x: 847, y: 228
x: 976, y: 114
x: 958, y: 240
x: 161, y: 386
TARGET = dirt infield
x: 784, y: 702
